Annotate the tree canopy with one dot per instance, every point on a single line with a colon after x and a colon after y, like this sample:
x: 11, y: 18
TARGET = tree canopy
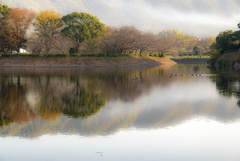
x: 48, y: 23
x: 48, y: 26
x: 226, y: 41
x: 13, y: 28
x: 82, y: 27
x: 4, y: 9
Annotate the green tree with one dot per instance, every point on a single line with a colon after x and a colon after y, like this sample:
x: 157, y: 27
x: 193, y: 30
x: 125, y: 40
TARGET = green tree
x: 225, y: 41
x: 196, y: 50
x: 82, y: 26
x: 4, y: 9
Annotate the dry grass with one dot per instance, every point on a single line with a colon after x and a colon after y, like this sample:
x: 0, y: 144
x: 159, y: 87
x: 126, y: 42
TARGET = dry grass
x: 84, y: 61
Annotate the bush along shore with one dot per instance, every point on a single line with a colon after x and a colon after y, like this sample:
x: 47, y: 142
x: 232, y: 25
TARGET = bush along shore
x: 89, y: 60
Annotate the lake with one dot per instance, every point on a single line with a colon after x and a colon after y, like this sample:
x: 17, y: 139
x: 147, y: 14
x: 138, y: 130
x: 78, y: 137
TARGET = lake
x: 118, y: 114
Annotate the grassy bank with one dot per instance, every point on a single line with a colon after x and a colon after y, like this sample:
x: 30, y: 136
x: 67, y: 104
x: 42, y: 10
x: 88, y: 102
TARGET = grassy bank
x: 82, y: 61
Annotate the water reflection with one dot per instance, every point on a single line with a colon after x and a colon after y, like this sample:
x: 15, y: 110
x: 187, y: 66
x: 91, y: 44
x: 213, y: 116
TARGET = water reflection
x: 227, y: 83
x: 99, y: 101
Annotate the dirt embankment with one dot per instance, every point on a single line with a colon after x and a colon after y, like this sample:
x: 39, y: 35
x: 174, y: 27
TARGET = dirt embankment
x: 231, y: 58
x: 83, y: 61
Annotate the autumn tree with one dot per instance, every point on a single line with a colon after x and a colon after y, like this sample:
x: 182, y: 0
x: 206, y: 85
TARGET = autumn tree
x: 189, y: 42
x: 145, y: 43
x: 205, y: 43
x: 164, y: 44
x: 126, y: 39
x: 48, y: 26
x: 14, y: 26
x: 82, y: 27
x: 34, y: 44
x: 62, y: 44
x: 169, y: 32
x: 13, y: 104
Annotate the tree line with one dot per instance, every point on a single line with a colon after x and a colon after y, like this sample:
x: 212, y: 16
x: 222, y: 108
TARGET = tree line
x: 48, y: 32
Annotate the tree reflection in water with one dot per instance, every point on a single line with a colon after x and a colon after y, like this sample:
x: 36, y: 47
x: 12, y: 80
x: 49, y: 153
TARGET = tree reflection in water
x: 227, y: 83
x: 13, y: 105
x: 84, y: 95
x: 82, y: 103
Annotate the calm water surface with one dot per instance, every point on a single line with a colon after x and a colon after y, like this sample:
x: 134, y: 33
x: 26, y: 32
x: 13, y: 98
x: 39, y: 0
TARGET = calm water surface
x: 120, y: 114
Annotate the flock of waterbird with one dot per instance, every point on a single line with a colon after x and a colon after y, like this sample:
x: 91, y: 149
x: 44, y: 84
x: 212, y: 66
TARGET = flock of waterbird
x: 170, y: 76
x: 187, y: 75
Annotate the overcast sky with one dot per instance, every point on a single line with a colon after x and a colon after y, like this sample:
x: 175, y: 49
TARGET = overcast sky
x: 166, y: 17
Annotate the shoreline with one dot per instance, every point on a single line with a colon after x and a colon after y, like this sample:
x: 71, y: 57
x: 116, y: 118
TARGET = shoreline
x: 191, y: 61
x: 82, y: 62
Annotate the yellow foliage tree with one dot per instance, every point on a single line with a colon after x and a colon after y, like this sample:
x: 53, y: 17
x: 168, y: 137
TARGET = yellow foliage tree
x: 48, y: 25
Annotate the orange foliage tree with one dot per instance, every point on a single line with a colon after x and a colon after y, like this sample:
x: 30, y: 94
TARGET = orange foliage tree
x: 13, y: 27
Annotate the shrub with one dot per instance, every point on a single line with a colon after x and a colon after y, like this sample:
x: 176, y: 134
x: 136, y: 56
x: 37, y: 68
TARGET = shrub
x: 92, y: 55
x: 50, y: 55
x: 74, y: 55
x: 6, y: 55
x: 114, y: 55
x: 83, y: 55
x: 151, y: 55
x: 102, y: 55
x: 60, y: 55
x: 161, y: 55
x: 27, y: 55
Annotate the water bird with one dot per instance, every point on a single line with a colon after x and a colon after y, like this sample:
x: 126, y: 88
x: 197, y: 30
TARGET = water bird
x: 181, y: 75
x: 175, y: 75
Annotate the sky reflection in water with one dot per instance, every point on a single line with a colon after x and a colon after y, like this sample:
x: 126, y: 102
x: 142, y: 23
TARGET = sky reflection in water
x: 104, y: 114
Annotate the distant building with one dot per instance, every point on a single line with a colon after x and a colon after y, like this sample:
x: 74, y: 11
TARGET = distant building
x: 22, y: 51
